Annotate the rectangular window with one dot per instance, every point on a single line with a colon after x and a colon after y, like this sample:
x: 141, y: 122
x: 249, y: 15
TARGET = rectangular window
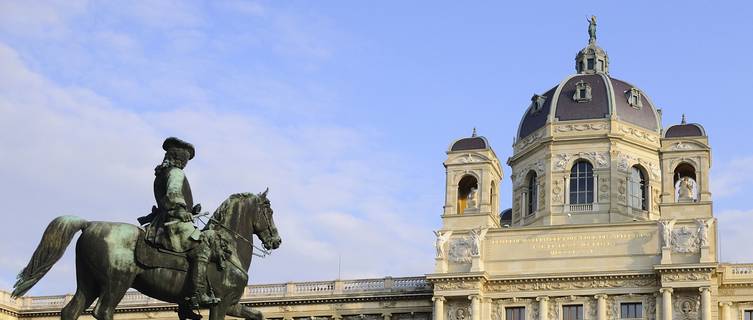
x: 748, y: 315
x: 590, y: 64
x: 572, y: 312
x: 631, y: 310
x: 515, y: 313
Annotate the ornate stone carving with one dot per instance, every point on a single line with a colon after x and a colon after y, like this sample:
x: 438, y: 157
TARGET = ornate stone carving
x: 476, y: 238
x: 685, y: 276
x: 621, y: 191
x: 625, y: 161
x: 459, y: 311
x: 556, y: 191
x: 527, y: 141
x: 542, y: 194
x: 650, y: 137
x: 603, y: 189
x: 656, y: 199
x: 703, y: 230
x: 686, y: 306
x: 680, y: 145
x: 568, y: 285
x: 684, y: 240
x: 580, y: 127
x: 665, y: 229
x: 537, y: 166
x: 460, y: 250
x: 599, y: 159
x: 457, y: 285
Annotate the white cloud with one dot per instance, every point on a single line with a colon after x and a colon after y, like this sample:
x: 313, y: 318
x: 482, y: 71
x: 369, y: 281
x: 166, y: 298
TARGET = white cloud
x: 67, y: 149
x: 735, y: 236
x: 732, y: 177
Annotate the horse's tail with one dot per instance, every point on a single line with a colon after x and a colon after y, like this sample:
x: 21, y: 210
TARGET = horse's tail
x: 55, y: 239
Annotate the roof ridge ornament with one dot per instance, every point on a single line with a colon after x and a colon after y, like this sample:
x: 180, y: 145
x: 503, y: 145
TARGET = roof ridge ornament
x: 592, y: 59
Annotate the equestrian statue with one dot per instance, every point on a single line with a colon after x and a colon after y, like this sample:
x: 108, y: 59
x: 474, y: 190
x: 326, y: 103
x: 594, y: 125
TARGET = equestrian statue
x: 169, y: 258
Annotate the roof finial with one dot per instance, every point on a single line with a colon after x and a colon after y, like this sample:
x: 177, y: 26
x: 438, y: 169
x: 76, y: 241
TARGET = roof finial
x: 592, y: 29
x: 474, y: 132
x: 683, y: 119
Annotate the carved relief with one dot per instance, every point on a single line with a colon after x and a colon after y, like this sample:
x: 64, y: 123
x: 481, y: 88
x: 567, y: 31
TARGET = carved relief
x: 459, y: 311
x: 527, y: 141
x: 581, y: 127
x: 692, y: 276
x: 556, y: 191
x: 542, y: 195
x: 568, y: 285
x: 650, y: 137
x: 681, y: 146
x: 621, y: 191
x: 625, y: 161
x: 457, y: 285
x: 537, y: 166
x: 599, y: 159
x: 684, y: 240
x: 686, y: 306
x: 603, y: 189
x: 656, y: 199
x: 460, y: 250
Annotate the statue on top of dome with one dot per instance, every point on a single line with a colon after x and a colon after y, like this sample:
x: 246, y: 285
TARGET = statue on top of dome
x: 591, y: 29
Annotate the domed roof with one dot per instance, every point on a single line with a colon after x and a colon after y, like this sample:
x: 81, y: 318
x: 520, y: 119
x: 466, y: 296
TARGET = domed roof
x: 472, y: 143
x: 685, y: 129
x: 590, y: 94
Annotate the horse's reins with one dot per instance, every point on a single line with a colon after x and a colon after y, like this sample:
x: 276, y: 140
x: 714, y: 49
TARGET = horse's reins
x: 264, y: 252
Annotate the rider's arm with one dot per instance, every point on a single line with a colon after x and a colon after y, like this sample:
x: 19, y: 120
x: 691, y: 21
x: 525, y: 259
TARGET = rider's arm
x: 176, y: 204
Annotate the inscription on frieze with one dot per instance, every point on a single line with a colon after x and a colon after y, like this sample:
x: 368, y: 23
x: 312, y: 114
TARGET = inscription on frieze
x: 572, y: 244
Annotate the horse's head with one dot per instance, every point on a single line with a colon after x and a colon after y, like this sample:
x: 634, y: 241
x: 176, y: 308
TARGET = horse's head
x: 264, y: 224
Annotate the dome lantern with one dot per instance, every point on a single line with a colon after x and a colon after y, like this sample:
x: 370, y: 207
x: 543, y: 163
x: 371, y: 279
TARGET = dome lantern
x: 592, y: 58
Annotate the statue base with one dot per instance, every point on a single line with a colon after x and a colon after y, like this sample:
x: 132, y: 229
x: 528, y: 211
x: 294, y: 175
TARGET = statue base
x: 440, y: 265
x: 666, y: 255
x: 476, y: 264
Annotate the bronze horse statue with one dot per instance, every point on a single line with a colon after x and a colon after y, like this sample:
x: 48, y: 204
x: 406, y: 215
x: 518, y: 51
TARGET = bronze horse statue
x: 106, y: 265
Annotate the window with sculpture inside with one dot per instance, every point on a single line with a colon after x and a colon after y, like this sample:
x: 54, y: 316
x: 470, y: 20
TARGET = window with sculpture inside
x: 467, y: 194
x: 686, y: 186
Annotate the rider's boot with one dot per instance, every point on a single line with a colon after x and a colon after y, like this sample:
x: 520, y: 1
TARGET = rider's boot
x: 201, y: 296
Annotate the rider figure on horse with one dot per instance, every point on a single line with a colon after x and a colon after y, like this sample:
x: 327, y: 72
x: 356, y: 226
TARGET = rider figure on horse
x: 172, y: 226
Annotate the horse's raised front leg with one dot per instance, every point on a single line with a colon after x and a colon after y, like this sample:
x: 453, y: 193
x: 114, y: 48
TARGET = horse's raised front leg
x: 241, y: 311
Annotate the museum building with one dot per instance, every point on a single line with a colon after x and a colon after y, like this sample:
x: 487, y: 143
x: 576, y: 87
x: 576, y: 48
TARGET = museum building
x: 611, y: 218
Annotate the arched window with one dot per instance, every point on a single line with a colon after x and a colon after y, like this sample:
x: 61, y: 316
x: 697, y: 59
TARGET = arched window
x: 467, y: 193
x: 582, y: 183
x: 686, y: 186
x: 533, y: 192
x: 637, y: 188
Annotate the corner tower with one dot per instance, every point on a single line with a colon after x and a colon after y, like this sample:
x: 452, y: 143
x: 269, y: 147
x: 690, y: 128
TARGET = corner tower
x: 472, y: 184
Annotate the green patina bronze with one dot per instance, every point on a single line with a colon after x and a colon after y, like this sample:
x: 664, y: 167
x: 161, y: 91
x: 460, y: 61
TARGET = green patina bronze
x: 176, y: 262
x: 592, y: 29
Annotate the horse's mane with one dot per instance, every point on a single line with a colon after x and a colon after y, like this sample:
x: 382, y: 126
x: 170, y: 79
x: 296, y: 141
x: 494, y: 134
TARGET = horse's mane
x: 222, y: 211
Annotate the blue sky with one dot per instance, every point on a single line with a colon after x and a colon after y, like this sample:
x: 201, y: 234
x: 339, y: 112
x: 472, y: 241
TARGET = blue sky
x: 344, y: 109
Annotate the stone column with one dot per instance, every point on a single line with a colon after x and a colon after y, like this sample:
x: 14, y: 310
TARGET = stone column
x: 726, y: 312
x: 475, y: 307
x: 387, y: 316
x: 543, y: 307
x: 601, y: 306
x: 666, y: 303
x: 438, y: 307
x: 705, y: 303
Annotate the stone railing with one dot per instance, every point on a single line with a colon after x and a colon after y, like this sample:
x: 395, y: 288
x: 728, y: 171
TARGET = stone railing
x: 738, y: 272
x: 255, y: 293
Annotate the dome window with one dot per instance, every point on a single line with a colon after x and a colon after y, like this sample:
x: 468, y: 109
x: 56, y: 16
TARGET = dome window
x: 634, y: 98
x: 582, y: 92
x: 537, y: 102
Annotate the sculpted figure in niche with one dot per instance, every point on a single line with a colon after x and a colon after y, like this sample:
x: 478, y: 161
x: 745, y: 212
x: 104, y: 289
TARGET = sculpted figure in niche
x: 703, y: 231
x: 685, y: 189
x: 472, y: 203
x: 441, y: 243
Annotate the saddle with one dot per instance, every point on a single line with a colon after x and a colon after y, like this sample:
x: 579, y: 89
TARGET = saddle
x: 150, y: 256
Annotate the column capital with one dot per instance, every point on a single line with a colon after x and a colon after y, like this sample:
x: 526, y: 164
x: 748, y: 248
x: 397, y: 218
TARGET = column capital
x: 438, y: 298
x: 725, y: 304
x: 473, y: 297
x: 704, y: 289
x: 542, y: 298
x: 663, y: 290
x: 600, y: 296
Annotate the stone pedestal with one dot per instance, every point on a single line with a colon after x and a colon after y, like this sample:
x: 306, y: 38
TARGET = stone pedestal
x: 440, y: 265
x: 476, y: 264
x: 666, y: 255
x: 705, y: 255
